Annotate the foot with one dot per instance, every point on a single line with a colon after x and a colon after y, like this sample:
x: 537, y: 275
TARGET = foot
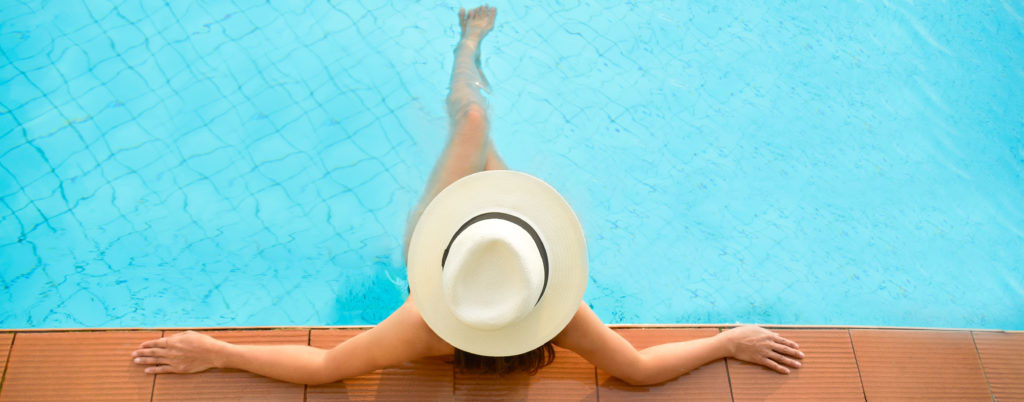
x: 477, y: 22
x: 475, y: 25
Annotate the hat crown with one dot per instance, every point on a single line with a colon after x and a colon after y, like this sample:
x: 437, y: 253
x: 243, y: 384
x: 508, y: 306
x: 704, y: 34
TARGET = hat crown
x: 493, y: 275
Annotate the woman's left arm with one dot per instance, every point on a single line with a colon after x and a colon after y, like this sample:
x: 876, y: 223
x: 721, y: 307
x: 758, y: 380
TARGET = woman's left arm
x: 401, y: 337
x: 609, y: 351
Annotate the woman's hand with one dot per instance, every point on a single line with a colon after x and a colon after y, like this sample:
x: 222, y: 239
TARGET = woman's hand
x: 186, y: 352
x: 757, y: 345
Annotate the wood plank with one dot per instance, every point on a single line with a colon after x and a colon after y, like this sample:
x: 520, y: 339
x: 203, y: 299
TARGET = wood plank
x: 222, y: 384
x: 828, y: 371
x: 899, y: 365
x: 423, y: 379
x: 1001, y: 360
x: 709, y: 382
x: 5, y: 348
x: 76, y: 366
x: 569, y: 377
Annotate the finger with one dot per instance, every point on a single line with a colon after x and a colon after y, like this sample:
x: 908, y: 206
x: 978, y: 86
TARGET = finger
x: 773, y: 365
x: 150, y: 360
x: 786, y: 342
x: 778, y: 347
x: 149, y: 352
x: 155, y: 343
x: 784, y: 360
x: 159, y: 369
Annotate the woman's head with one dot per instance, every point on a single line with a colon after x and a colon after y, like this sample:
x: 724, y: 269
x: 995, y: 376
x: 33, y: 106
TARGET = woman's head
x: 482, y: 258
x: 529, y: 362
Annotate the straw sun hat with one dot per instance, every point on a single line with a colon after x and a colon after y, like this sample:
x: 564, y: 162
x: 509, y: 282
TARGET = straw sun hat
x: 498, y: 263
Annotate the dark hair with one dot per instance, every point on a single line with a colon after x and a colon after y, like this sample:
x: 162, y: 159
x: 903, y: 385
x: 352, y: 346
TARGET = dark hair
x: 531, y: 361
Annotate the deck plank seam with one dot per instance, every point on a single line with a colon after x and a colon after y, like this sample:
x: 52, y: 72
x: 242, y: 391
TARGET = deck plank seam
x: 152, y: 388
x: 982, y: 363
x: 860, y: 377
x: 7, y: 362
x: 305, y: 387
x: 597, y: 387
x: 728, y: 375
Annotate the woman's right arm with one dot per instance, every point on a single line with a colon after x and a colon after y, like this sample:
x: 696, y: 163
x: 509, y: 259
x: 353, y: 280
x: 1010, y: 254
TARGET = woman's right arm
x: 401, y: 337
x: 590, y: 338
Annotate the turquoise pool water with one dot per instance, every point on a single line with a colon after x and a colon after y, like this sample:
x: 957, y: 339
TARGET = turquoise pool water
x: 249, y: 163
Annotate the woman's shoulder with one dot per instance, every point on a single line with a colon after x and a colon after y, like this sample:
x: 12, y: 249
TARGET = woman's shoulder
x: 583, y: 325
x: 432, y: 343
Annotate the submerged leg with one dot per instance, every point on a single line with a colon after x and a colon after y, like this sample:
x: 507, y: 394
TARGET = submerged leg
x: 494, y: 161
x: 467, y: 149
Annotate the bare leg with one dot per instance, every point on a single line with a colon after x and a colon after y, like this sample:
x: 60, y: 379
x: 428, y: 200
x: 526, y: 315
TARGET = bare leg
x: 469, y: 149
x: 494, y: 161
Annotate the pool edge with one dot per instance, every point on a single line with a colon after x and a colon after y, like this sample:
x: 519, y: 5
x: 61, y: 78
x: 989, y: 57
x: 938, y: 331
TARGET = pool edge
x: 620, y: 326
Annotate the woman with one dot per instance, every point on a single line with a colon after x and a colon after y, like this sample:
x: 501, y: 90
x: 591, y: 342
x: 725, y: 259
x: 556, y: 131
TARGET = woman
x: 500, y: 318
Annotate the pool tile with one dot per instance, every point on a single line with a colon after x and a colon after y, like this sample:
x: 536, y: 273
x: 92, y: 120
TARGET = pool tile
x: 708, y: 382
x: 234, y: 384
x: 1001, y: 354
x: 920, y: 364
x: 76, y: 366
x: 828, y: 371
x: 569, y: 377
x: 423, y: 379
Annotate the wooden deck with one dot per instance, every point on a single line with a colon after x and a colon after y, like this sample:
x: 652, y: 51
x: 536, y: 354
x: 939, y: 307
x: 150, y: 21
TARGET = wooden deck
x: 841, y: 364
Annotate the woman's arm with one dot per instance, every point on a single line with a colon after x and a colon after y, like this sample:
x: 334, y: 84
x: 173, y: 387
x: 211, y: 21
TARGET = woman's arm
x: 401, y: 337
x: 609, y: 351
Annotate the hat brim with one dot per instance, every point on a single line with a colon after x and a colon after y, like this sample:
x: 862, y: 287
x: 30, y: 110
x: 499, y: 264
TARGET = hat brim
x: 530, y: 199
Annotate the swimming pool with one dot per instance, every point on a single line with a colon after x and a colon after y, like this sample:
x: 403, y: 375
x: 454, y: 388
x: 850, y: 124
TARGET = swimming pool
x: 242, y: 163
